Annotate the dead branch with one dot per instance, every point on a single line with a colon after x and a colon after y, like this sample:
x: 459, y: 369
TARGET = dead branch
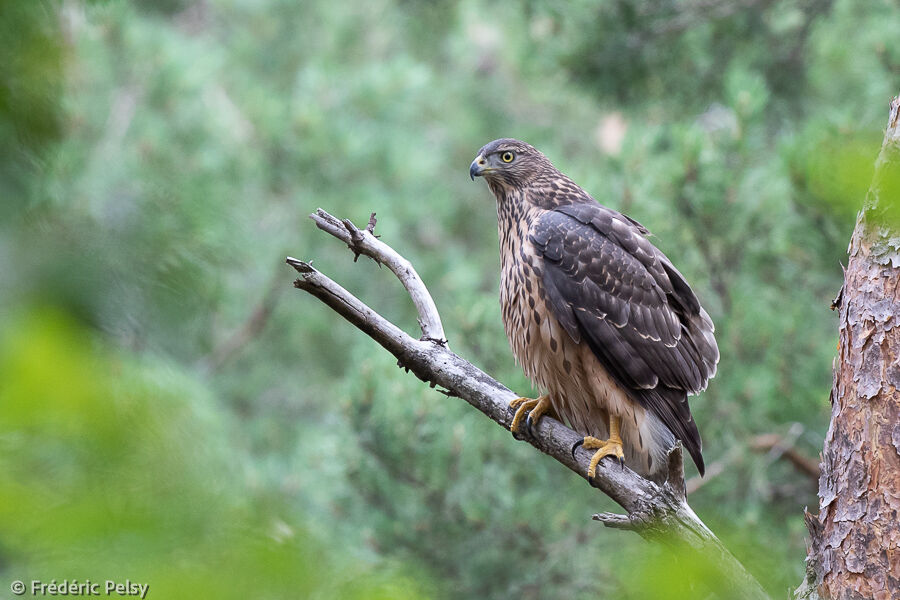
x: 656, y: 512
x: 364, y: 242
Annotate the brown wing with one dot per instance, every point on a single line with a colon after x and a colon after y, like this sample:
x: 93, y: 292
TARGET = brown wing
x: 607, y: 284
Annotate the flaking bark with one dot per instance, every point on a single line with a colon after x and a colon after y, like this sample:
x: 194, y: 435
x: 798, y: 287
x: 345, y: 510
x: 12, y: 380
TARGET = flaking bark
x: 854, y: 549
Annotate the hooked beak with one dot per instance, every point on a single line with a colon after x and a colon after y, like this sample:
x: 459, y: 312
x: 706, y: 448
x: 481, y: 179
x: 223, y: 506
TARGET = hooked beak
x: 478, y: 167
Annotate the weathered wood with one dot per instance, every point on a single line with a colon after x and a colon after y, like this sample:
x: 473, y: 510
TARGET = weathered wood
x: 656, y: 512
x: 363, y: 241
x: 854, y: 549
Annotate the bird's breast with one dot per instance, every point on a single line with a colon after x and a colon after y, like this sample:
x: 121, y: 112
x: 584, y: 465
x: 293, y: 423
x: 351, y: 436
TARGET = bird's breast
x: 538, y: 341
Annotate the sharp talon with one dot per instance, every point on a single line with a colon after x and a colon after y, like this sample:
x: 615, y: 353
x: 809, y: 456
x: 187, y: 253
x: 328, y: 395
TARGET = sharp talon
x: 575, y: 446
x: 529, y: 410
x: 622, y: 463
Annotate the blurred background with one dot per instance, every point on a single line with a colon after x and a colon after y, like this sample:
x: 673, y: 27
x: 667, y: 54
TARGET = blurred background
x: 174, y: 412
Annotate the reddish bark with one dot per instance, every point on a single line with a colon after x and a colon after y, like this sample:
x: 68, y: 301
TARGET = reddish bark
x: 855, y: 539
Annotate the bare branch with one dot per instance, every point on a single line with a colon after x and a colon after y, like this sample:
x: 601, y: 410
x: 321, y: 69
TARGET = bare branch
x: 348, y: 306
x: 365, y: 242
x: 656, y: 512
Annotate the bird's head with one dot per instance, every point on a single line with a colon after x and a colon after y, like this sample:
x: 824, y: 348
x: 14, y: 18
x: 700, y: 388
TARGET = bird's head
x: 508, y: 163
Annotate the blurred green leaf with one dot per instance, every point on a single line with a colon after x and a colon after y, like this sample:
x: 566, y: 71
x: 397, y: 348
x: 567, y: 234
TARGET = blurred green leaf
x: 160, y: 159
x: 112, y: 468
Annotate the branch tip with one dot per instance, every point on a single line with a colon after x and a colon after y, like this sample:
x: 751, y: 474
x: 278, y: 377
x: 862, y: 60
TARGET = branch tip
x: 615, y: 521
x: 365, y: 242
x: 299, y: 265
x: 355, y: 234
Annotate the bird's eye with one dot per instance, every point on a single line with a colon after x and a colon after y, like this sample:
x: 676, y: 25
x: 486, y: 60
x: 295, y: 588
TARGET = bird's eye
x: 507, y: 156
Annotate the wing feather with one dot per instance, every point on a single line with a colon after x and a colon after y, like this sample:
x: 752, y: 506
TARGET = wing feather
x: 606, y: 283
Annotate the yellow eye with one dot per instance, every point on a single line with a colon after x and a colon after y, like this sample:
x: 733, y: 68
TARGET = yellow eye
x: 507, y: 157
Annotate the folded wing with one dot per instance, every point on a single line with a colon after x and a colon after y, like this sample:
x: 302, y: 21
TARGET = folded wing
x: 609, y: 286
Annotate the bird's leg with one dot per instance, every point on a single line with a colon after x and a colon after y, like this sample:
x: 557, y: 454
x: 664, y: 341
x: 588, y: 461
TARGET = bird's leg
x: 610, y: 447
x: 537, y: 406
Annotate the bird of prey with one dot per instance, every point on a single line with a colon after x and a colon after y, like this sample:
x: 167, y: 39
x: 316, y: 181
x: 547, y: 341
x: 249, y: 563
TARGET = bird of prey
x: 596, y: 315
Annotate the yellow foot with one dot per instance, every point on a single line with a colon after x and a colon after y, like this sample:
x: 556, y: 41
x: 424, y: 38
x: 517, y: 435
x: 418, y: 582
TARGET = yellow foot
x: 610, y: 447
x: 537, y: 407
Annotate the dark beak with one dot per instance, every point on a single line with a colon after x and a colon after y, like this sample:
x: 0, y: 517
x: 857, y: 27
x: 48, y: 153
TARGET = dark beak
x: 477, y: 167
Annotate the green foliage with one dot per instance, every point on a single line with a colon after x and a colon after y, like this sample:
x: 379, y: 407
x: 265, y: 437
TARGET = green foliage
x: 30, y: 82
x: 159, y: 160
x: 115, y: 467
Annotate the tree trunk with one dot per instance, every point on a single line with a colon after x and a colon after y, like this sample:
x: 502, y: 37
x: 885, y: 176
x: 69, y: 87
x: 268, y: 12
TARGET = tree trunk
x: 854, y: 548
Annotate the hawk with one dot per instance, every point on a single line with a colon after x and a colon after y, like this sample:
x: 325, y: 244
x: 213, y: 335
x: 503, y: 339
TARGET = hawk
x: 596, y: 315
